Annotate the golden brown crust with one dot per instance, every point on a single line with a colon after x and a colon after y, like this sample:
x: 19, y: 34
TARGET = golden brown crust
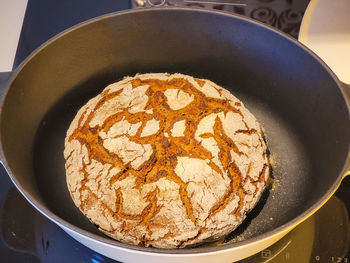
x: 165, y: 160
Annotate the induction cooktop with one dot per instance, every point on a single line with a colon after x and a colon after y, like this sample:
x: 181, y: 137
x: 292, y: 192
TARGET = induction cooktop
x: 27, y: 236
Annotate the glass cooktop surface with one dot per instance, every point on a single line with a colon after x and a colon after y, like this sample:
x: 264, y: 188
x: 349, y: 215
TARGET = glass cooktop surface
x: 27, y: 236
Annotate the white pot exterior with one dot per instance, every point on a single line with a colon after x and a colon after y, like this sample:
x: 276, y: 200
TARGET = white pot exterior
x: 130, y: 255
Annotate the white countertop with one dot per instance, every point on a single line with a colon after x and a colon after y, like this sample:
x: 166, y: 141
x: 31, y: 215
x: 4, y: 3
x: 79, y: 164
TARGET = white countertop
x: 11, y: 19
x: 325, y: 29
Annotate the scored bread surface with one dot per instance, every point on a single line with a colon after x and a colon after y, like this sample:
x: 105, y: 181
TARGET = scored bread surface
x: 165, y: 160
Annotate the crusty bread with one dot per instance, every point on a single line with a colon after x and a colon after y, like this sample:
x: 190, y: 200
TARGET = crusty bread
x: 165, y: 160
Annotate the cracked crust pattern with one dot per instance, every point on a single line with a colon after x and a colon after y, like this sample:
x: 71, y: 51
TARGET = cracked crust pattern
x: 165, y: 160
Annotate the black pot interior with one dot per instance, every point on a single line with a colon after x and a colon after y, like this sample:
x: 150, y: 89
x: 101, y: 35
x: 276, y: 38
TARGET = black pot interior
x: 293, y: 95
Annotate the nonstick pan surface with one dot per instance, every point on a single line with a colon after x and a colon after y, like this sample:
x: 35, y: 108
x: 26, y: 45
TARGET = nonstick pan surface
x: 290, y: 169
x: 292, y: 93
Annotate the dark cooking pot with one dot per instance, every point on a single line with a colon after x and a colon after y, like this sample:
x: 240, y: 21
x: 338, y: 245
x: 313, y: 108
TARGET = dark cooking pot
x: 295, y: 96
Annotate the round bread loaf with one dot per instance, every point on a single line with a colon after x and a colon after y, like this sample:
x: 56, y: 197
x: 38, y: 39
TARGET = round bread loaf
x: 165, y: 160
